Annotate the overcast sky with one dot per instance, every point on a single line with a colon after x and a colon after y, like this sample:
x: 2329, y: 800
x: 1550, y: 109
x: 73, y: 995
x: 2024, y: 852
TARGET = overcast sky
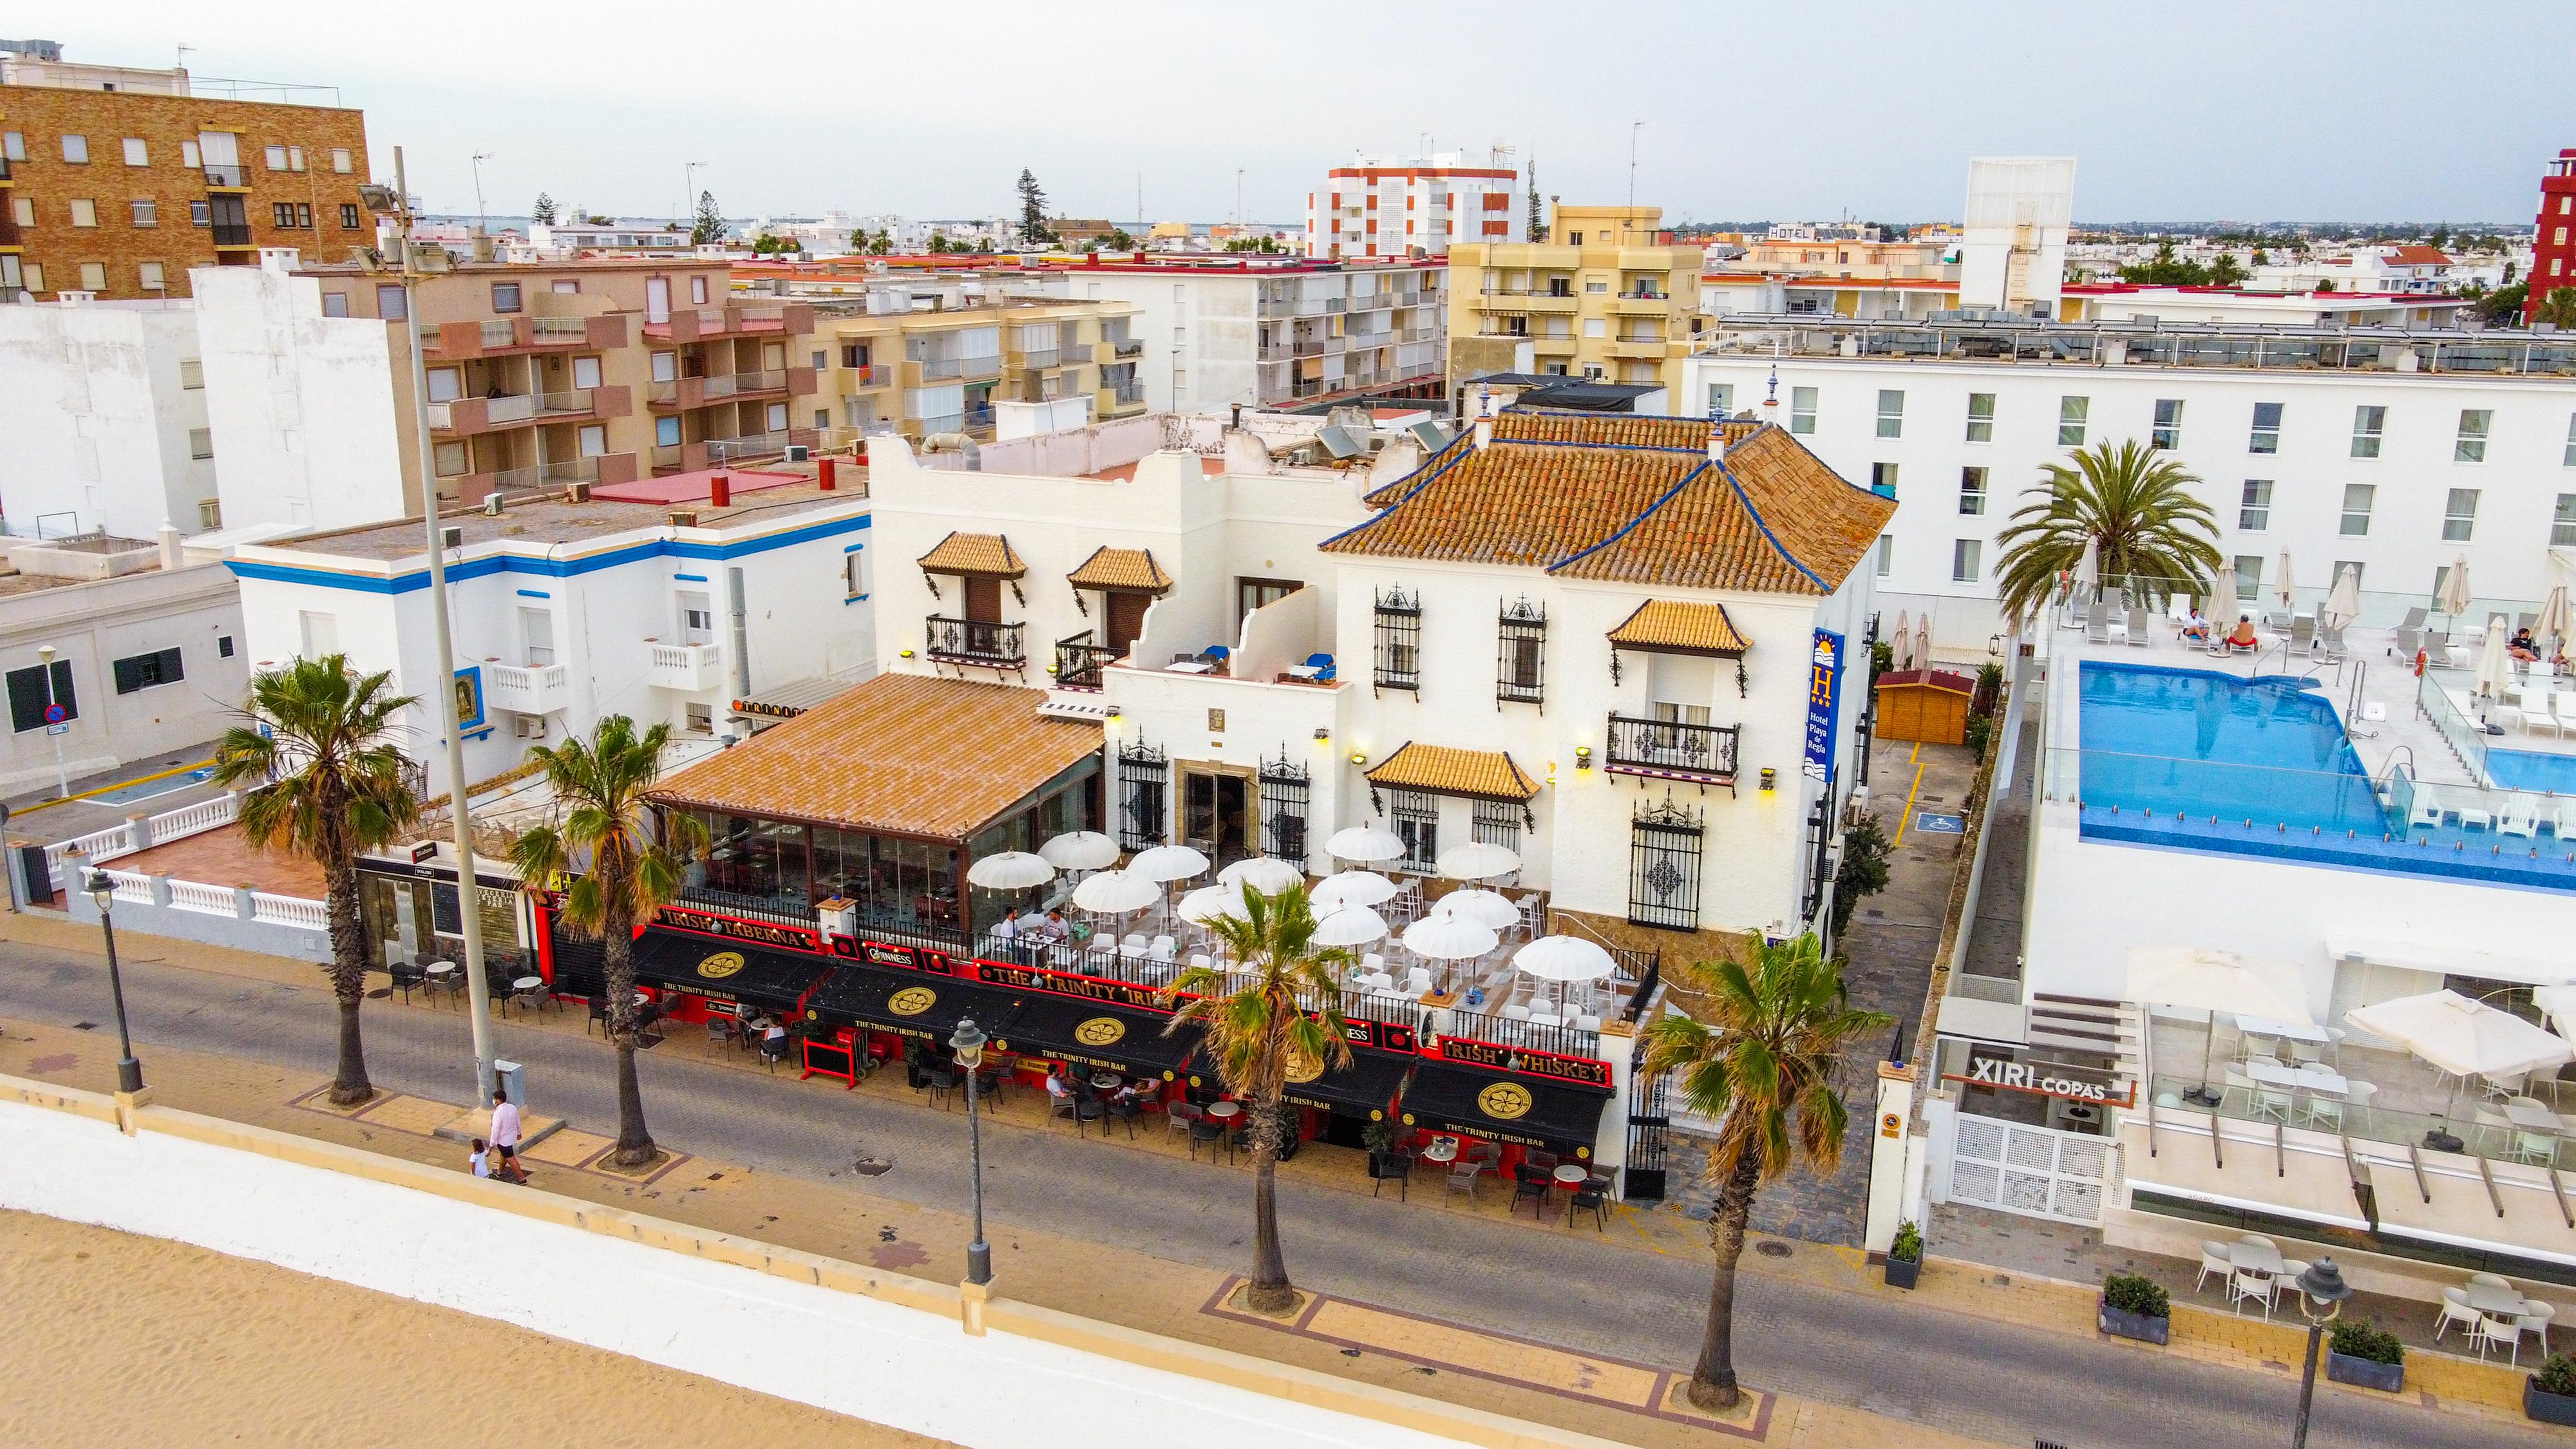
x: 2179, y: 110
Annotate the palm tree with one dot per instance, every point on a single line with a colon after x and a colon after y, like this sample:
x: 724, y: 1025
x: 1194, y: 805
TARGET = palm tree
x: 626, y: 874
x: 1255, y: 1030
x: 2557, y: 308
x: 1760, y: 1059
x: 328, y: 786
x: 2132, y: 502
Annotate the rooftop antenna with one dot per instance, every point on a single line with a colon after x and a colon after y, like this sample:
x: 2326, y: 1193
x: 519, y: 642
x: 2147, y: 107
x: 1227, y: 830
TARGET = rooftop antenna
x: 1633, y: 128
x: 480, y: 223
x: 183, y: 56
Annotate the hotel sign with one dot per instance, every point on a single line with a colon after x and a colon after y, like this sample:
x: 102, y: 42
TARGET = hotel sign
x: 1824, y: 691
x: 735, y: 928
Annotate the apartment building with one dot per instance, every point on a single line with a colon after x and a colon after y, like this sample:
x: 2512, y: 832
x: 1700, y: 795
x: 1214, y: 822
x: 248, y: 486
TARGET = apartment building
x: 120, y: 180
x: 103, y: 425
x: 1385, y: 207
x: 592, y: 371
x: 2393, y: 450
x: 992, y: 364
x: 1607, y: 296
x: 2553, y: 253
x: 1278, y: 333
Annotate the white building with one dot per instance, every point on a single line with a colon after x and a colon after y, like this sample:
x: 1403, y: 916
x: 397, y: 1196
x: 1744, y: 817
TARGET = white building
x: 1265, y: 334
x: 2399, y: 451
x: 103, y: 423
x: 2012, y: 250
x: 649, y: 599
x: 1387, y: 207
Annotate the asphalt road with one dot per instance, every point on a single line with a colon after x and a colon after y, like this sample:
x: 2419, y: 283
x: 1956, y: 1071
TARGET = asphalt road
x: 1996, y: 1381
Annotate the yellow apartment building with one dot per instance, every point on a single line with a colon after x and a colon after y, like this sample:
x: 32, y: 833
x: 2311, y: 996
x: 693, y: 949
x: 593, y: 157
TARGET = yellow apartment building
x: 1607, y: 296
x: 944, y: 371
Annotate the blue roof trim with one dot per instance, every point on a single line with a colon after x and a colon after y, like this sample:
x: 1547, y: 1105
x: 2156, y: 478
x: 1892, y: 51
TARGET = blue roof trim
x: 544, y: 567
x: 1774, y: 539
x: 1427, y: 468
x: 1648, y: 512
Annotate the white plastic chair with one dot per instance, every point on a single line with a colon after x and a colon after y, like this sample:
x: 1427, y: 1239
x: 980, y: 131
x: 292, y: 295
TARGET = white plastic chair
x: 1164, y: 948
x: 2213, y: 1259
x: 2427, y: 811
x: 1200, y: 961
x: 2242, y: 1285
x: 1514, y: 1011
x: 1584, y: 1023
x: 2457, y: 1312
x: 1373, y: 961
x: 1135, y: 939
x: 2521, y: 815
x: 1417, y: 976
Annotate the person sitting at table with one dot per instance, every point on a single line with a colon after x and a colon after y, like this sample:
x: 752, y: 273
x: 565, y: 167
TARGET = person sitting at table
x: 772, y: 1030
x: 1053, y: 927
x: 1056, y: 1089
x: 2523, y: 647
x: 2243, y: 635
x: 1006, y: 936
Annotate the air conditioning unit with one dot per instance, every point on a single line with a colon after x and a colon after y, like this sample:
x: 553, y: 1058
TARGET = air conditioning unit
x: 537, y: 728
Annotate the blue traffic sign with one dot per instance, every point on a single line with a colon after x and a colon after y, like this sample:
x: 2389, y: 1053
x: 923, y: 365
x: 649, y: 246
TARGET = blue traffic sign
x: 56, y: 714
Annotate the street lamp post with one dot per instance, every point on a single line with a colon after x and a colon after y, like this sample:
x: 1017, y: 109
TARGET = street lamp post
x: 129, y: 1072
x: 54, y: 727
x: 968, y: 1043
x: 2321, y: 1295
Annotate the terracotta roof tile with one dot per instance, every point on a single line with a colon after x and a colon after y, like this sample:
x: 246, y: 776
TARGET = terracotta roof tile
x: 974, y: 553
x: 906, y: 754
x: 1669, y: 624
x: 1772, y: 519
x: 1689, y: 435
x: 1441, y: 770
x: 1120, y: 568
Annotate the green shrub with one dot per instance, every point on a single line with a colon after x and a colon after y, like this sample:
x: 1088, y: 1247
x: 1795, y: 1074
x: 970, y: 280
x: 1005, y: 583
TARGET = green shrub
x: 2558, y: 1376
x: 1882, y: 657
x: 1981, y: 727
x: 1908, y: 1247
x: 1863, y: 871
x: 2363, y: 1339
x: 2137, y: 1293
x: 1990, y: 687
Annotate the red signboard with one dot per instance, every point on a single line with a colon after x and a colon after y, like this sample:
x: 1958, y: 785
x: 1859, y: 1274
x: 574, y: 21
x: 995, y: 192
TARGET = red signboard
x: 737, y: 928
x: 1528, y: 1061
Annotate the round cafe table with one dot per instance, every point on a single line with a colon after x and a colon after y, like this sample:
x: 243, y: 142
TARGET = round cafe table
x: 1105, y: 1081
x: 1442, y: 1149
x: 1570, y: 1175
x: 1225, y: 1111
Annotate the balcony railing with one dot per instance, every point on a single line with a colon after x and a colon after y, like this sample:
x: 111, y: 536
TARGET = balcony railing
x: 868, y: 374
x: 976, y: 641
x: 935, y: 369
x: 230, y: 176
x: 1078, y: 661
x: 529, y: 689
x: 688, y: 668
x: 1126, y: 347
x: 1127, y: 393
x: 721, y: 451
x: 1039, y: 357
x: 559, y: 329
x: 546, y: 476
x: 1669, y: 747
x: 231, y: 233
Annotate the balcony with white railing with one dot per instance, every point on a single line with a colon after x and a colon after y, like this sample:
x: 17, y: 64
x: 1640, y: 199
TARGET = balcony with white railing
x: 688, y: 668
x: 535, y: 689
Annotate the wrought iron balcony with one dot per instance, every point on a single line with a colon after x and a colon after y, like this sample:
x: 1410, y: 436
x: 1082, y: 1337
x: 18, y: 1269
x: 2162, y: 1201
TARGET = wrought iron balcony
x: 1672, y: 749
x: 976, y: 641
x: 1078, y: 661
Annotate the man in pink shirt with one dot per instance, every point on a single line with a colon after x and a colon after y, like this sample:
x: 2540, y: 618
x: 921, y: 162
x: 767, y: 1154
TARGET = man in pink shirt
x: 505, y: 1137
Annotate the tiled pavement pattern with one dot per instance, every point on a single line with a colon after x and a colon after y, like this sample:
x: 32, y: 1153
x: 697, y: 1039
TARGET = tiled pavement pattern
x: 1807, y: 1326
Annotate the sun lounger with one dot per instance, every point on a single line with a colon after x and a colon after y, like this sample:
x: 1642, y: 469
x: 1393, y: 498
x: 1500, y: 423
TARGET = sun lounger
x: 2521, y: 815
x: 2534, y: 710
x: 2564, y: 820
x: 2097, y: 622
x: 2140, y: 620
x: 2303, y: 633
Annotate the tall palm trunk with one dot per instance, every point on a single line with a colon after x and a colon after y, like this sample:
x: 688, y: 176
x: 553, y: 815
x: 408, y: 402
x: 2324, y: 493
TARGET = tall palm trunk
x: 634, y: 1144
x: 1271, y: 1292
x: 1712, y: 1383
x: 349, y: 1084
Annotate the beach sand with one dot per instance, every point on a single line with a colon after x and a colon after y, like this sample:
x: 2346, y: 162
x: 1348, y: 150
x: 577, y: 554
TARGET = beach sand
x: 113, y: 1338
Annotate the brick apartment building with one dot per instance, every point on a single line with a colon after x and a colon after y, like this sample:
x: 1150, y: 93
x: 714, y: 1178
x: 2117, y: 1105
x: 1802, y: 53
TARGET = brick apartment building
x: 118, y: 180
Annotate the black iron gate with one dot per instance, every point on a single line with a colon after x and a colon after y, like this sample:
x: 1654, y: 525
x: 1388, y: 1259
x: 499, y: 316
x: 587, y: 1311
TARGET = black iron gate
x: 1650, y: 1126
x: 1284, y: 788
x: 1143, y: 777
x: 1664, y: 866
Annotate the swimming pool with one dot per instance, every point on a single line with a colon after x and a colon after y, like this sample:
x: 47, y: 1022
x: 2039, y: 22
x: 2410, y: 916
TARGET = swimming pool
x: 2532, y: 770
x: 2194, y: 743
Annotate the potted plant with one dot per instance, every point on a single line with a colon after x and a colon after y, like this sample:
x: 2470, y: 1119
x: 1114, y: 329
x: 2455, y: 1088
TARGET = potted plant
x: 2550, y: 1395
x: 2136, y: 1306
x: 2366, y: 1354
x: 1905, y: 1255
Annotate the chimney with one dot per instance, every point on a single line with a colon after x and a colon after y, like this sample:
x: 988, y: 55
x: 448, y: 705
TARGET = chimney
x: 684, y: 518
x: 827, y: 474
x: 173, y: 557
x: 1716, y: 440
x: 720, y: 491
x: 1484, y: 418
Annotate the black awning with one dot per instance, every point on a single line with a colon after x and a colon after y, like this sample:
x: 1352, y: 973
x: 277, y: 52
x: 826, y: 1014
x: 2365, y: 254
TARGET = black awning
x: 1504, y: 1107
x: 915, y: 1004
x: 1096, y: 1034
x: 1365, y: 1088
x: 727, y: 971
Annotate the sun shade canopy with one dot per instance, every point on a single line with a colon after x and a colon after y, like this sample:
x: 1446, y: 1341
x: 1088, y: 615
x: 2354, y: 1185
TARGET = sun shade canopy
x: 1119, y: 568
x: 1443, y: 770
x: 1667, y: 626
x: 987, y: 555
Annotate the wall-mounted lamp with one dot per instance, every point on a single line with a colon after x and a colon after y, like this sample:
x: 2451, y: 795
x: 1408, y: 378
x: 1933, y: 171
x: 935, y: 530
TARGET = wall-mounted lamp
x: 1050, y: 669
x: 1322, y: 734
x: 1358, y: 758
x: 1583, y: 757
x: 903, y: 653
x: 1116, y: 710
x: 1770, y: 779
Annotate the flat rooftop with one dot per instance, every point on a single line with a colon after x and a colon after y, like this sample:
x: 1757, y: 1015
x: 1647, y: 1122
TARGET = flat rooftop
x: 2289, y: 346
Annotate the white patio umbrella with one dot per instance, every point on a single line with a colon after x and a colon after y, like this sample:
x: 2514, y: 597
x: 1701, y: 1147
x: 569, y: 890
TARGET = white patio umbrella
x: 2557, y: 610
x: 1365, y: 843
x: 1209, y: 902
x: 1010, y: 871
x: 2087, y: 583
x: 2284, y: 586
x: 1167, y: 863
x: 2559, y: 1003
x: 1267, y: 874
x: 1478, y: 860
x: 1443, y: 936
x: 2342, y: 605
x: 1922, y: 652
x: 2495, y: 666
x: 1116, y: 892
x: 1900, y: 646
x: 1350, y: 926
x: 1489, y: 909
x: 2456, y: 598
x: 1080, y: 850
x: 1352, y: 888
x: 1564, y: 958
x: 2223, y: 607
x: 2462, y: 1036
x: 2196, y: 978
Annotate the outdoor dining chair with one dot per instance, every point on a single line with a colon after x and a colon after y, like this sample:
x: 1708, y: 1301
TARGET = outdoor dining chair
x: 2243, y: 1284
x: 2456, y: 1313
x: 1533, y: 1184
x: 1463, y: 1175
x: 1593, y: 1194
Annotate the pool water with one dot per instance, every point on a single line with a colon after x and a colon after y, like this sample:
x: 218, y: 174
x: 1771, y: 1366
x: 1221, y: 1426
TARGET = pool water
x: 2531, y: 770
x: 2198, y: 744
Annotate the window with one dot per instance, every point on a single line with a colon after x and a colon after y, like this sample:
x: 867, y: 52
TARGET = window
x: 2249, y: 575
x: 294, y: 158
x: 335, y: 304
x: 391, y: 305
x: 2254, y: 508
x: 84, y: 211
x: 2356, y: 509
x: 776, y: 418
x: 1891, y: 412
x: 666, y: 366
x: 585, y: 372
x: 2168, y: 429
x: 854, y: 573
x: 223, y: 642
x: 1416, y: 820
x: 145, y: 213
x: 2353, y: 567
x: 537, y: 633
x: 201, y: 443
x: 93, y: 276
x: 1963, y: 561
x: 2562, y: 523
x: 188, y: 155
x: 2460, y: 515
x: 505, y: 296
x: 192, y: 373
x: 1882, y: 479
x: 2367, y: 424
x: 148, y: 671
x: 2471, y: 445
x: 2071, y: 415
x: 1981, y: 417
x: 13, y: 144
x: 1398, y: 652
x: 340, y: 160
x: 1972, y: 491
x: 281, y: 214
x: 702, y: 719
x: 2266, y: 437
x: 698, y: 289
x: 201, y: 213
x: 24, y: 209
x: 76, y: 150
x: 592, y: 439
x: 1495, y: 822
x: 451, y: 459
x: 33, y: 274
x: 319, y: 633
x: 148, y: 276
x: 136, y: 153
x: 446, y: 384
x: 1664, y: 866
x: 1595, y: 327
x: 1802, y: 410
x: 2568, y: 458
x: 1520, y: 653
x: 1886, y: 554
x: 349, y: 220
x: 276, y: 158
x: 1721, y: 399
x: 28, y: 696
x: 666, y: 432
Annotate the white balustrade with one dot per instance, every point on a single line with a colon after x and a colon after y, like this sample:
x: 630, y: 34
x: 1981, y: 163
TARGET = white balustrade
x: 289, y: 911
x: 189, y: 895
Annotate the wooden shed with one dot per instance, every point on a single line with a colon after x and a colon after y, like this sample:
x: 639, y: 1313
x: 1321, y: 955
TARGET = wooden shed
x: 1930, y: 705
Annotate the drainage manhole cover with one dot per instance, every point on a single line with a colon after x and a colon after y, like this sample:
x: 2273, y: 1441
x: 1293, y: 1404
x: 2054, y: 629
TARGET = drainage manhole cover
x: 1772, y: 1250
x: 872, y: 1166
